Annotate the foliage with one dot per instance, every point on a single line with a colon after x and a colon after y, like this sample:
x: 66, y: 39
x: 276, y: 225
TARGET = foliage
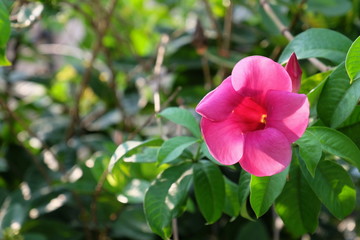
x: 99, y: 138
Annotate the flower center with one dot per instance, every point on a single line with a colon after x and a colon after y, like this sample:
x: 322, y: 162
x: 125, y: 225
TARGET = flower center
x: 249, y: 115
x: 263, y: 118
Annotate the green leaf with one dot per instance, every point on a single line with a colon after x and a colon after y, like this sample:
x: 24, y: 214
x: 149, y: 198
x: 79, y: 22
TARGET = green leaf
x: 3, y: 60
x: 264, y: 191
x: 334, y: 88
x: 354, y: 118
x: 297, y: 205
x: 352, y: 62
x: 244, y: 186
x: 209, y: 190
x: 128, y: 148
x: 172, y: 148
x: 311, y: 83
x: 318, y: 43
x: 5, y: 33
x: 351, y: 127
x: 336, y: 143
x: 165, y: 197
x: 310, y: 151
x: 4, y: 24
x: 333, y: 186
x: 134, y: 192
x: 338, y: 98
x: 182, y: 117
x: 243, y: 194
x: 232, y: 204
x: 330, y: 7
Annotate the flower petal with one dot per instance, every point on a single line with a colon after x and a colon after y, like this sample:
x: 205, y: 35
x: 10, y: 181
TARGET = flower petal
x: 224, y: 140
x: 294, y: 70
x: 220, y: 102
x: 266, y: 152
x: 254, y: 76
x: 288, y: 113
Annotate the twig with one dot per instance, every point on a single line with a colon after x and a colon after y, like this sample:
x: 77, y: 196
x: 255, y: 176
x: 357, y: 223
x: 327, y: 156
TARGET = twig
x: 225, y: 47
x: 157, y: 71
x: 150, y: 118
x: 102, y: 179
x: 118, y: 101
x: 297, y: 14
x: 206, y: 71
x: 277, y: 224
x: 20, y: 121
x: 213, y: 22
x: 175, y: 229
x: 227, y: 30
x: 101, y: 31
x: 157, y: 77
x: 285, y: 31
x: 88, y: 17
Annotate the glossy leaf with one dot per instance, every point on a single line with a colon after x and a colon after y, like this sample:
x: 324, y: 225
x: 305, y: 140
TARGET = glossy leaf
x: 244, y: 192
x: 182, y: 117
x: 318, y: 43
x: 172, y: 148
x: 310, y: 151
x: 338, y: 98
x: 134, y: 192
x: 264, y: 191
x: 354, y: 118
x: 165, y: 197
x: 209, y: 190
x: 336, y: 143
x: 297, y: 205
x: 333, y: 186
x: 352, y: 61
x: 312, y: 82
x: 244, y: 186
x: 130, y: 147
x: 232, y: 204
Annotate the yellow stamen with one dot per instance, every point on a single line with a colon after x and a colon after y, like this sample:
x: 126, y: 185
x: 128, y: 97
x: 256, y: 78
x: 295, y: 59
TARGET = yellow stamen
x: 263, y: 118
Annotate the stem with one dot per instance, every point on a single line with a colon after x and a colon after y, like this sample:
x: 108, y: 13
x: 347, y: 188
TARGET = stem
x: 175, y: 229
x: 278, y: 224
x: 150, y: 118
x: 197, y: 155
x: 101, y: 31
x: 213, y: 22
x: 227, y: 30
x: 206, y: 71
x: 157, y: 77
x: 285, y: 31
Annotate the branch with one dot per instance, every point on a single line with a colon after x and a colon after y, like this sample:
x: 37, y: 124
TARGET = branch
x: 20, y: 121
x: 101, y: 31
x: 285, y: 31
x: 150, y: 118
x: 213, y: 21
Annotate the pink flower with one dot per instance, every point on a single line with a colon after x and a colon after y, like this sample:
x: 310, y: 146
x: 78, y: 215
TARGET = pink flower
x: 253, y: 116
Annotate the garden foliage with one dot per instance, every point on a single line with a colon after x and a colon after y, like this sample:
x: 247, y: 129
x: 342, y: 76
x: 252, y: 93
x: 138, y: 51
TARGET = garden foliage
x: 99, y: 138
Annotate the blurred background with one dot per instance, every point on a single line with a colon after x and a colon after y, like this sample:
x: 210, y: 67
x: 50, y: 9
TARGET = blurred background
x: 89, y: 75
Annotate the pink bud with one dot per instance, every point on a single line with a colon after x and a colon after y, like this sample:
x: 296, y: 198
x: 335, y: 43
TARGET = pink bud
x: 294, y: 70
